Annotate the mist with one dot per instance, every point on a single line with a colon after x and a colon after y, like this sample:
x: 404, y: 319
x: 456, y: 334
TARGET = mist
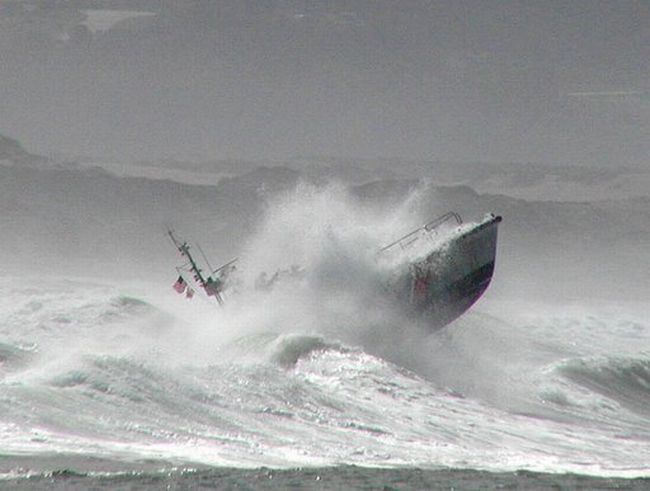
x: 460, y: 81
x: 295, y: 140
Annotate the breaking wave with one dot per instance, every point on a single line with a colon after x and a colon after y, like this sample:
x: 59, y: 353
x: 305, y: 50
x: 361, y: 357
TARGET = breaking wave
x: 320, y: 370
x: 121, y: 379
x: 14, y: 357
x: 623, y: 379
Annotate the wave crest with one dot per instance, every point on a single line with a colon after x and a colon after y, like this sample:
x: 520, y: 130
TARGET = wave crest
x: 621, y: 378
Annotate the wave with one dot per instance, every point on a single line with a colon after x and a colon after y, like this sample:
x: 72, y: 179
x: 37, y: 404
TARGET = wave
x: 284, y: 350
x: 15, y: 357
x: 290, y: 349
x: 300, y: 379
x: 120, y: 377
x: 624, y: 379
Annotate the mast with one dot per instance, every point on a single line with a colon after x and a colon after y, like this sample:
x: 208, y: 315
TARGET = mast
x: 208, y: 284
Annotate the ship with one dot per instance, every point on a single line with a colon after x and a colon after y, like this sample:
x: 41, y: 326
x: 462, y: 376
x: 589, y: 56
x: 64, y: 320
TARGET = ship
x: 443, y: 267
x: 435, y: 272
x: 193, y: 276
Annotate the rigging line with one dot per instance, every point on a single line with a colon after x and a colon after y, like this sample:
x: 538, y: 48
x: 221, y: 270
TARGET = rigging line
x: 225, y: 265
x: 204, y: 256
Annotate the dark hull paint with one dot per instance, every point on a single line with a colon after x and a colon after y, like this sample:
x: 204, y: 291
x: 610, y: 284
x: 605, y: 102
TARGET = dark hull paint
x: 450, y: 280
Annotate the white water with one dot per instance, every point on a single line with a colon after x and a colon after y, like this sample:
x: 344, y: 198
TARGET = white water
x: 321, y: 372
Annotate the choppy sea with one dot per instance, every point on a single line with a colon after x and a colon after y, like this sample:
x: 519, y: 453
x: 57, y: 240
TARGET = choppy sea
x: 110, y: 386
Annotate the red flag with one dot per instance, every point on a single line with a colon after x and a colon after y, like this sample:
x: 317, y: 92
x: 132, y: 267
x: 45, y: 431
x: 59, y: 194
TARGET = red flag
x: 189, y: 293
x: 180, y: 285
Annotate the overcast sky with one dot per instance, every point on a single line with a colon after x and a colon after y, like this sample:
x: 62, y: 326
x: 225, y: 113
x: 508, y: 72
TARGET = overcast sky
x: 526, y: 81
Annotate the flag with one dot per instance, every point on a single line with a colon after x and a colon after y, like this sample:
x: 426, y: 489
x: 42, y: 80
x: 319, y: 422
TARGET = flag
x: 180, y: 285
x: 189, y: 293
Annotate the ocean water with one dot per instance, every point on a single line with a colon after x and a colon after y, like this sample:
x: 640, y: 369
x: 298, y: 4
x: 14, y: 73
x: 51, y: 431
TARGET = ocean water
x: 319, y: 383
x: 115, y: 384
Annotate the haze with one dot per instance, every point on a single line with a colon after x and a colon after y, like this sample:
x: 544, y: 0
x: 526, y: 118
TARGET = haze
x: 461, y: 81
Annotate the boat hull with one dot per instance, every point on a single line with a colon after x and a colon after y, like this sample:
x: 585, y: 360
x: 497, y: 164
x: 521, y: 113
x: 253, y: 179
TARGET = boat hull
x: 452, y: 277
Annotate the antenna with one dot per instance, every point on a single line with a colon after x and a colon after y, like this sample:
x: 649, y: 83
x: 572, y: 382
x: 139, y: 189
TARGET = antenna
x: 225, y: 265
x: 198, y: 246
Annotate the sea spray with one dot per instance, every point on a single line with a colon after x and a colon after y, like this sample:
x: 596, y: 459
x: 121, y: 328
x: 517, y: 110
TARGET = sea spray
x: 314, y: 371
x: 145, y: 386
x: 332, y: 240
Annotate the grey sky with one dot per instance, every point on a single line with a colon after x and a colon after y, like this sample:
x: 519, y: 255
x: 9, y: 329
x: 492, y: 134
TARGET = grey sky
x: 544, y: 81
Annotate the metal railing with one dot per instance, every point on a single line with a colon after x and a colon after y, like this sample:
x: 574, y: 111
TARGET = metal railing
x: 411, y: 237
